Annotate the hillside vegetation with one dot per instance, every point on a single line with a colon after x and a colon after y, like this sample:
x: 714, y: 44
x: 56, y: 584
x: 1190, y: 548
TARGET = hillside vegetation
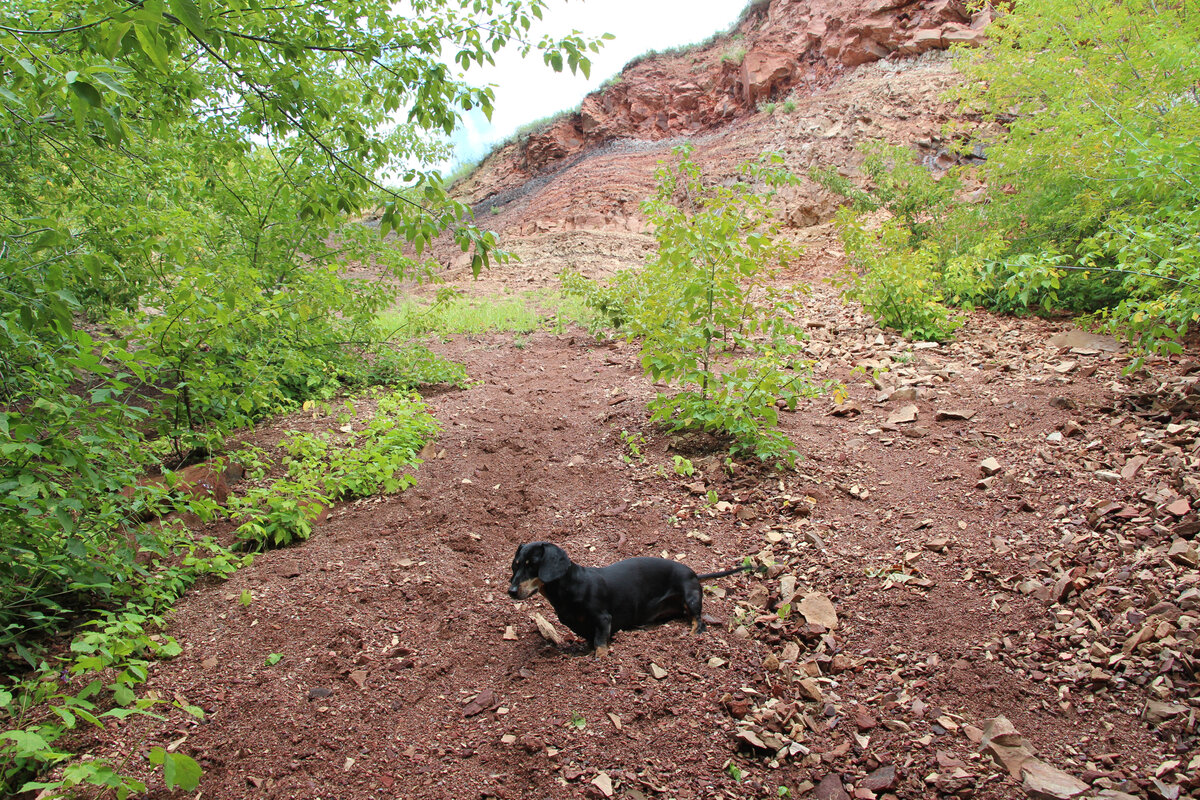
x: 180, y: 185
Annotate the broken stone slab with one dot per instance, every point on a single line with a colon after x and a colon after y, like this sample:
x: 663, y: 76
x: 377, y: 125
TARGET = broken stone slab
x: 1045, y: 782
x: 1179, y: 507
x: 546, y: 630
x: 1184, y: 554
x: 989, y: 467
x: 1007, y: 747
x: 881, y: 780
x: 945, y: 414
x: 1084, y: 340
x: 830, y: 788
x: 817, y: 609
x: 902, y: 415
x: 1158, y: 711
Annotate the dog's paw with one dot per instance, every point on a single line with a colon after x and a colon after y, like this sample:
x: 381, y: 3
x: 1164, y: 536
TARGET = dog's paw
x: 601, y: 651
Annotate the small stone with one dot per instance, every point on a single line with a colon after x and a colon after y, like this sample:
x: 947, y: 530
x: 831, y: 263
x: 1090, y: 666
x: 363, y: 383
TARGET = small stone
x: 818, y: 609
x: 1179, y: 507
x: 603, y: 783
x: 546, y: 630
x: 484, y: 701
x: 906, y: 394
x: 942, y: 415
x: 1183, y: 553
x: 1041, y: 780
x: 881, y: 780
x: 510, y: 633
x: 830, y: 788
x: 508, y: 738
x: 319, y: 693
x: 938, y: 544
x: 809, y: 688
x: 657, y: 672
x: 989, y: 467
x: 359, y: 676
x: 864, y: 721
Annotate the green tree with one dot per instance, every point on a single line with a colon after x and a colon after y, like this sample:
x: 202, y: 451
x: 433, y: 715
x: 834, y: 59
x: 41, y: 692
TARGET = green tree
x: 707, y: 311
x: 177, y: 181
x: 1095, y: 184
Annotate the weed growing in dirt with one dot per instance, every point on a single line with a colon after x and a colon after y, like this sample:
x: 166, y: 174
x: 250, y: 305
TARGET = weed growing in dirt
x: 734, y: 55
x: 767, y: 108
x: 683, y: 467
x: 635, y: 442
x: 324, y: 468
x: 733, y: 358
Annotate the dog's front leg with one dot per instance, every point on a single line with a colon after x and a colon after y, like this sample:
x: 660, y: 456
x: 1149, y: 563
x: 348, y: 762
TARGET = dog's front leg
x: 602, y: 635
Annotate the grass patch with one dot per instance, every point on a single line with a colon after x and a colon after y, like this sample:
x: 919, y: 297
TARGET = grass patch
x: 544, y: 309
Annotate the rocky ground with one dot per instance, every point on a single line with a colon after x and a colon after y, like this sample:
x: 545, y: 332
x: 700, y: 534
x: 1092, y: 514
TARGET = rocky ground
x: 981, y: 580
x: 988, y: 552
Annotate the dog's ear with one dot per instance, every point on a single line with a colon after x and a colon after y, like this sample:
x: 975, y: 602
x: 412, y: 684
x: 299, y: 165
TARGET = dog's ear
x: 555, y: 563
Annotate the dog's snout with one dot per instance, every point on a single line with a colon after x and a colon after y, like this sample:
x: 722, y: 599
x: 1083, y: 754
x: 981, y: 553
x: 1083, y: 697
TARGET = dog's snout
x: 514, y: 592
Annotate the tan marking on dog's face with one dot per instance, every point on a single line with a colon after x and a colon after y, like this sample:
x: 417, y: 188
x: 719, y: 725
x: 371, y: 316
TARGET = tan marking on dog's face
x: 526, y: 589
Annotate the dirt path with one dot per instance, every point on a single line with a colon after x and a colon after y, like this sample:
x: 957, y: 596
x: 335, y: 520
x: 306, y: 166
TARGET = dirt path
x: 955, y: 602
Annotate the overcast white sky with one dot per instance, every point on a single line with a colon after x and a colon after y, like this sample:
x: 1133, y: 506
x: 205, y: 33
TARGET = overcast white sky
x: 527, y: 89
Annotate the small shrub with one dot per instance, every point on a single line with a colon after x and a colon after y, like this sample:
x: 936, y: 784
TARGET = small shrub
x: 767, y: 108
x: 731, y: 357
x: 897, y: 283
x: 734, y: 55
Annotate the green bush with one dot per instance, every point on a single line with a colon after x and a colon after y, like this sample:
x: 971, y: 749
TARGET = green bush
x: 897, y: 283
x: 1095, y: 184
x: 696, y: 308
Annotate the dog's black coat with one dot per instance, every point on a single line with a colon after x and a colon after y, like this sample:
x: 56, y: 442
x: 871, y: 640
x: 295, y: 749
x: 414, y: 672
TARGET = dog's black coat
x: 596, y: 601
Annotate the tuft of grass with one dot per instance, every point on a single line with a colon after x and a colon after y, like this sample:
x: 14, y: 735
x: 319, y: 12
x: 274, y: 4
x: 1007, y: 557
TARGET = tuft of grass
x: 545, y: 309
x: 734, y: 55
x: 766, y: 108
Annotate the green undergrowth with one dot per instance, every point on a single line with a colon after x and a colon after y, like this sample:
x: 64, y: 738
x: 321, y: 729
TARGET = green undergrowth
x: 452, y: 313
x: 94, y: 680
x: 1089, y: 186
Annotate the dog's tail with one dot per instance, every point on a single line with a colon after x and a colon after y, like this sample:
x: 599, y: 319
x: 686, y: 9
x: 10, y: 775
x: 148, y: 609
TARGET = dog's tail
x: 723, y: 573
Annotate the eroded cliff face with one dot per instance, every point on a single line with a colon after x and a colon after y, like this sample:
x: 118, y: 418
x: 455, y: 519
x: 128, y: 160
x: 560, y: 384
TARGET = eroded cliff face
x: 781, y: 48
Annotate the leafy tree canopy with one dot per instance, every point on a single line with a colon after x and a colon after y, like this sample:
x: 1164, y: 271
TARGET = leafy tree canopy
x: 176, y: 180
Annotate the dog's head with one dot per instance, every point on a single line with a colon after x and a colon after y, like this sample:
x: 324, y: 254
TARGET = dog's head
x: 535, y: 565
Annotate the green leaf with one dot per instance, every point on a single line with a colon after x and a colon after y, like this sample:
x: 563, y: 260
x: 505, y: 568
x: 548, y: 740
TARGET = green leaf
x: 189, y: 14
x: 180, y: 771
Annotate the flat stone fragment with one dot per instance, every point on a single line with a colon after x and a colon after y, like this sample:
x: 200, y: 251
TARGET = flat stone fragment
x: 943, y: 414
x: 902, y: 415
x: 881, y: 780
x: 1045, y: 782
x: 830, y: 788
x: 1084, y: 340
x: 1179, y: 507
x: 989, y: 467
x: 817, y: 609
